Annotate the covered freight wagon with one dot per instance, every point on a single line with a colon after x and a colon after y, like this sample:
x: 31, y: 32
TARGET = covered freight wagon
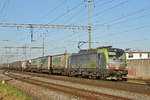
x: 59, y: 63
x: 40, y: 64
x: 44, y: 64
x: 17, y: 65
x: 33, y: 65
x: 4, y: 66
x: 56, y: 64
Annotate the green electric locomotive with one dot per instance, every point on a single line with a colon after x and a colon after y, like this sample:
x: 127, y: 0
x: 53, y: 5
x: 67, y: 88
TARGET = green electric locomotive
x: 103, y: 63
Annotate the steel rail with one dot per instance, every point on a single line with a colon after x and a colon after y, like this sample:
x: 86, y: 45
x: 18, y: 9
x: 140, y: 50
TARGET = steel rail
x: 77, y: 92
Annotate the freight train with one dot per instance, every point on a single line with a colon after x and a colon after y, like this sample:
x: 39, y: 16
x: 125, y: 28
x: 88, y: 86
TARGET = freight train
x: 100, y: 63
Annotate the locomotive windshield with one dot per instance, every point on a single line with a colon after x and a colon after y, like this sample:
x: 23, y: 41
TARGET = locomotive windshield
x: 117, y: 53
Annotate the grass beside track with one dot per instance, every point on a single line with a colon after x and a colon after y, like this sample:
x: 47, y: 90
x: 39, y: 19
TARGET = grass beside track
x: 9, y: 93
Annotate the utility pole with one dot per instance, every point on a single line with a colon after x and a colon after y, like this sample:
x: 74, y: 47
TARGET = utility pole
x: 43, y: 44
x: 65, y: 50
x: 89, y: 2
x: 31, y: 33
x: 24, y: 53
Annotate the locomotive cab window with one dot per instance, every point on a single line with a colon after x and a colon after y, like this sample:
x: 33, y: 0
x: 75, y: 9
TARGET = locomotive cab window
x: 112, y: 54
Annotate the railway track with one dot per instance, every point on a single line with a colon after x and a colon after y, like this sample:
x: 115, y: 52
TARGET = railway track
x: 72, y: 91
x: 124, y: 86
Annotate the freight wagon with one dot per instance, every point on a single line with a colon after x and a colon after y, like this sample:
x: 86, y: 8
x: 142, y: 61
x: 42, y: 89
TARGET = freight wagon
x: 17, y: 65
x: 38, y: 64
x: 60, y: 64
x: 33, y: 65
x: 56, y: 64
x: 4, y: 66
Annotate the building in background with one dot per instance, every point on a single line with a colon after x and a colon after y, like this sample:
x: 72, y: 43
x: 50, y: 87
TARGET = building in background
x: 138, y: 63
x: 132, y: 54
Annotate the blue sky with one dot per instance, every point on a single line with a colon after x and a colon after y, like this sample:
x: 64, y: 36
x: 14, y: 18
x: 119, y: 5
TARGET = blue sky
x: 121, y: 23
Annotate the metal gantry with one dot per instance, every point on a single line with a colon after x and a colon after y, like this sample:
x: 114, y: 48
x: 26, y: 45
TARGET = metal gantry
x: 21, y: 47
x: 90, y: 29
x: 44, y: 26
x: 31, y: 26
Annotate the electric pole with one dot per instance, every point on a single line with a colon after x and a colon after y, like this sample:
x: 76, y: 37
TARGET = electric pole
x: 89, y: 2
x: 44, y: 43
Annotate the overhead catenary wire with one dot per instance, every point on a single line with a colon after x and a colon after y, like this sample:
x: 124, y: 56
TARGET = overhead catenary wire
x: 121, y: 22
x: 70, y: 10
x: 74, y: 15
x: 4, y: 8
x: 136, y: 40
x: 65, y: 13
x: 110, y: 8
x: 63, y: 39
x: 107, y: 9
x: 127, y: 15
x: 66, y: 40
x: 73, y: 19
x: 60, y: 4
x: 50, y: 11
x: 73, y: 8
x: 97, y: 4
x: 126, y: 20
x: 125, y: 31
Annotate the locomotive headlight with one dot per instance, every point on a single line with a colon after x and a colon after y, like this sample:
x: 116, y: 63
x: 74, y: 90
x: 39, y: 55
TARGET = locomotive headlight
x: 107, y: 67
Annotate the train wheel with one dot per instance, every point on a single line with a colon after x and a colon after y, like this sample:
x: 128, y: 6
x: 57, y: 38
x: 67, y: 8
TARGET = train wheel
x: 89, y: 76
x: 94, y: 77
x: 124, y: 79
x: 69, y: 74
